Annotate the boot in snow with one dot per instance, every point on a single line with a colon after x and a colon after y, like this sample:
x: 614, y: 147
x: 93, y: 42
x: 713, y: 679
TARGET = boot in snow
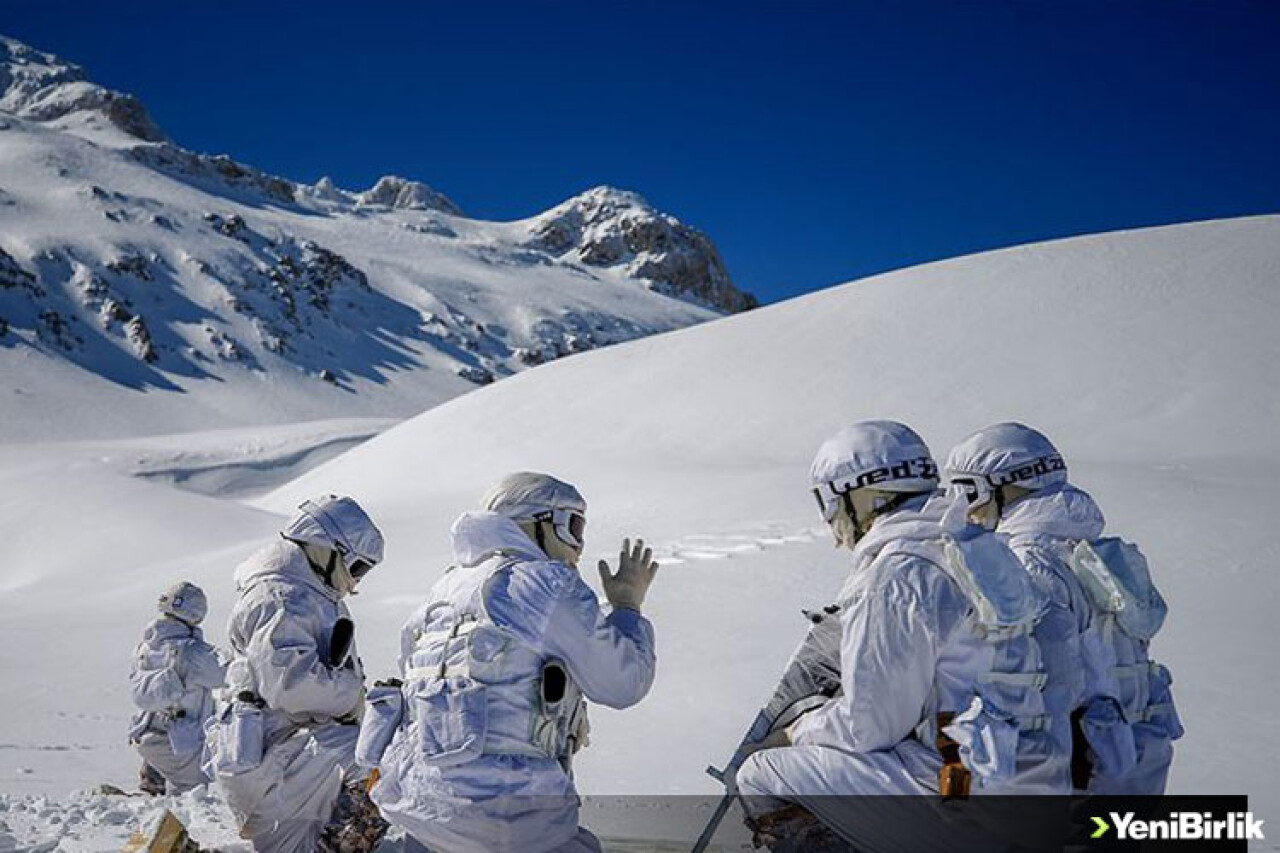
x: 792, y: 829
x: 356, y: 825
x: 150, y: 781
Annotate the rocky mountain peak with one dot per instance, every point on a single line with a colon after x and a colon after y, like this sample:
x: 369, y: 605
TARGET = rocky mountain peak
x: 41, y: 87
x: 402, y: 194
x: 610, y: 227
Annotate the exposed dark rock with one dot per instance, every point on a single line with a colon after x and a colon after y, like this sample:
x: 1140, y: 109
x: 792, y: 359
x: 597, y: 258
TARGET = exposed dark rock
x: 41, y: 87
x: 478, y: 375
x: 13, y: 276
x: 606, y: 227
x: 139, y: 338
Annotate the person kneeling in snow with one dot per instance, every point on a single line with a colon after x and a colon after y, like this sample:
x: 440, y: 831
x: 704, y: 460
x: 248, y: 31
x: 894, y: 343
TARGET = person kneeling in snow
x: 1112, y: 705
x: 283, y: 747
x: 497, y: 666
x: 174, y: 670
x: 940, y: 677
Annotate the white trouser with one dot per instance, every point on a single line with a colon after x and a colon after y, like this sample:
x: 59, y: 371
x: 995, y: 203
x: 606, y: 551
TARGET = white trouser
x: 180, y: 773
x: 885, y: 800
x: 285, y: 802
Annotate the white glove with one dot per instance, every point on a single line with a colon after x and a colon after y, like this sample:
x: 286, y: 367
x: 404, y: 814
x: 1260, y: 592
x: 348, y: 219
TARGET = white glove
x: 636, y: 569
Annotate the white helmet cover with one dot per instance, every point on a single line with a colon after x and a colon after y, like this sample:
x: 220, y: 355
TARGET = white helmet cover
x: 886, y: 455
x: 185, y: 601
x: 524, y: 495
x: 1008, y: 454
x: 338, y: 523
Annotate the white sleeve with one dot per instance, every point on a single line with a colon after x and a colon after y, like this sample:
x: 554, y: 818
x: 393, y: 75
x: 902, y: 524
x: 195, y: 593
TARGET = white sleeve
x: 285, y: 656
x: 611, y: 657
x: 888, y: 658
x: 202, y: 667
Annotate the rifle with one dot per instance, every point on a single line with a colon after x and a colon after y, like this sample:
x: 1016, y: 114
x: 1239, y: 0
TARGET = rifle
x: 811, y: 677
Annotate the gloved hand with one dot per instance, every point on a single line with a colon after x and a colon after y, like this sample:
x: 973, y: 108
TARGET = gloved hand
x: 636, y: 568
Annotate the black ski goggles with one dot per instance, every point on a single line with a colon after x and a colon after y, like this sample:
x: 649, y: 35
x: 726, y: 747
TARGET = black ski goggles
x: 570, y: 526
x: 975, y: 489
x: 357, y: 567
x: 829, y: 495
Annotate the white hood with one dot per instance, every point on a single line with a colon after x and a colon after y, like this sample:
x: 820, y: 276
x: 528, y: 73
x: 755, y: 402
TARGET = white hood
x: 284, y: 560
x: 918, y: 519
x: 169, y: 628
x: 477, y: 536
x: 1063, y: 512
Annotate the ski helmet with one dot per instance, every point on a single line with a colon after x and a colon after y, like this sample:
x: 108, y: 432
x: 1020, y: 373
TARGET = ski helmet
x: 340, y: 524
x: 883, y: 455
x: 1007, y: 454
x: 184, y: 601
x: 529, y: 496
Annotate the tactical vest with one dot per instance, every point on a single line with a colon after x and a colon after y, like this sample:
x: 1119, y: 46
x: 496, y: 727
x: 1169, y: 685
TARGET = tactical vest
x: 1006, y: 706
x: 474, y: 688
x: 1131, y: 611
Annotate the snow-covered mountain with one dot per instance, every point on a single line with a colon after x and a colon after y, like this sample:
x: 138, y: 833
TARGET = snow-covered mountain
x: 207, y: 293
x: 1149, y: 356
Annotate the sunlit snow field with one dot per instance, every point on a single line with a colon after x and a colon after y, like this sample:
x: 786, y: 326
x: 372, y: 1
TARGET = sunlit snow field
x: 1149, y: 356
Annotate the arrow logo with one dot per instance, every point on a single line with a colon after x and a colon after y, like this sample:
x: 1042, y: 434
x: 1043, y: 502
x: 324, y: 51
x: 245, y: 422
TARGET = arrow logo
x: 1103, y: 826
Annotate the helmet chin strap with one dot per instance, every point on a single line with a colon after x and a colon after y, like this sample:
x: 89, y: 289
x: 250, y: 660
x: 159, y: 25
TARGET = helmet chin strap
x: 847, y: 498
x: 328, y: 572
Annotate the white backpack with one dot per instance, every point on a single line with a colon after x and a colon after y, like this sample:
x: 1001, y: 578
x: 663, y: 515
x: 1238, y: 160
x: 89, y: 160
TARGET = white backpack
x: 1115, y: 575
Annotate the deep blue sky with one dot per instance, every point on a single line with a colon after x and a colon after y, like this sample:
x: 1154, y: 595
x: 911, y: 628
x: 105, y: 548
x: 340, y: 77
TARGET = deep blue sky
x: 815, y: 143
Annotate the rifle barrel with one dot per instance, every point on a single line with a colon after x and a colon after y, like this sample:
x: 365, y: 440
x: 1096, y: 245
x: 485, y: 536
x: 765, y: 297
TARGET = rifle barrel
x: 712, y: 825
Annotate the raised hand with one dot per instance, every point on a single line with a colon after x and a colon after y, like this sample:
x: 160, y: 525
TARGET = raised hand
x: 636, y: 569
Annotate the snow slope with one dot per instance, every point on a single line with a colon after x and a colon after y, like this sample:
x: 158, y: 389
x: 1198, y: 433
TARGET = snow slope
x: 1149, y: 356
x: 162, y: 290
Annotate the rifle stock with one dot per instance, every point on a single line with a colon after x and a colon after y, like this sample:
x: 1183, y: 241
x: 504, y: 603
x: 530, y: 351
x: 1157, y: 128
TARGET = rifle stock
x: 812, y: 676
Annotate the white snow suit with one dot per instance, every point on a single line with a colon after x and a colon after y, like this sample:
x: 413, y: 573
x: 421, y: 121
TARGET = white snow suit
x: 1129, y: 720
x: 479, y: 761
x: 174, y: 670
x: 914, y: 646
x: 300, y: 746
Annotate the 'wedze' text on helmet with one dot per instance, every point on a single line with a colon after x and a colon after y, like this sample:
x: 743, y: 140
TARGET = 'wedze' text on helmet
x: 1043, y: 465
x: 921, y: 467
